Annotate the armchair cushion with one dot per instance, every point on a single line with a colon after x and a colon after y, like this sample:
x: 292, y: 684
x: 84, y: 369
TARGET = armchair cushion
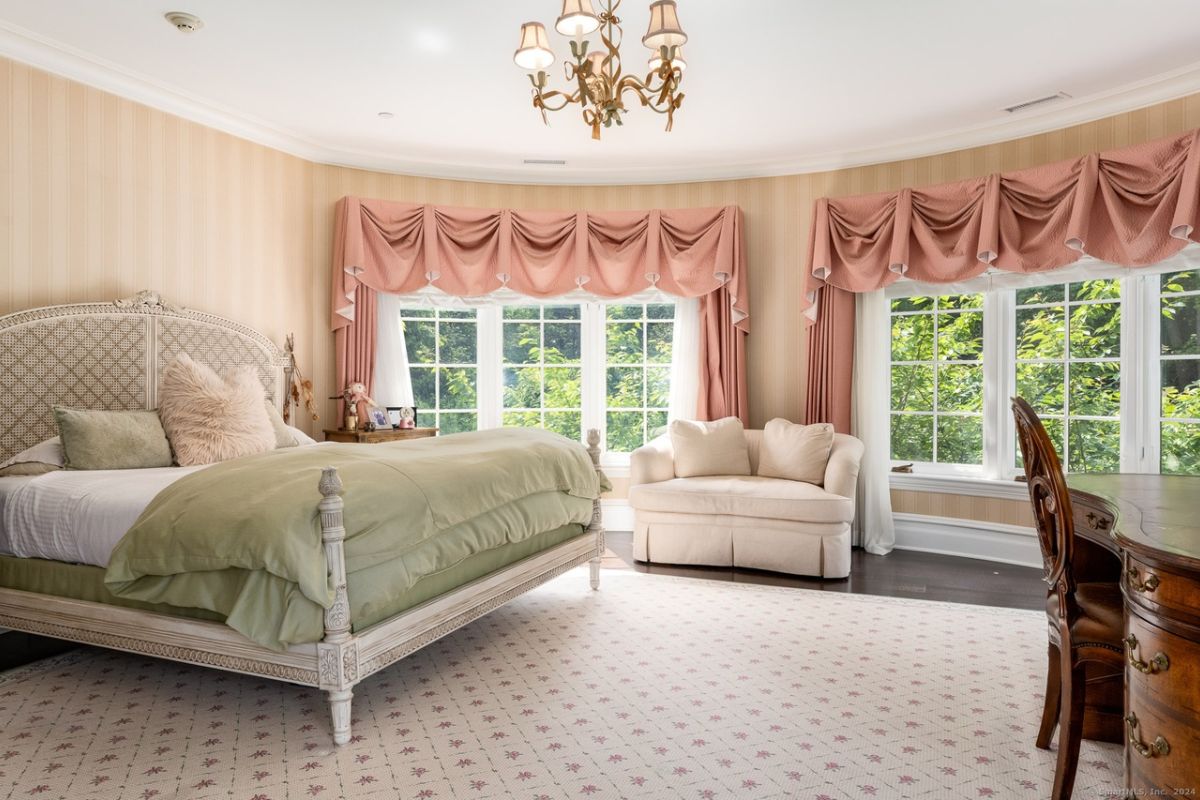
x: 795, y: 452
x: 709, y: 448
x: 749, y: 496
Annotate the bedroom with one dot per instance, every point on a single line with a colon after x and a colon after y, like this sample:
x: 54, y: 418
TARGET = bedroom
x: 367, y: 193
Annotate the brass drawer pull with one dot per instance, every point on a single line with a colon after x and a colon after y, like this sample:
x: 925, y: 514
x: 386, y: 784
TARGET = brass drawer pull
x: 1160, y: 662
x: 1097, y: 522
x: 1138, y: 585
x: 1158, y: 748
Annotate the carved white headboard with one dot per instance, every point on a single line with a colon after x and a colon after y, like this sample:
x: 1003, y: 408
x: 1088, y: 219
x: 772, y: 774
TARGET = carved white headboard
x: 110, y: 356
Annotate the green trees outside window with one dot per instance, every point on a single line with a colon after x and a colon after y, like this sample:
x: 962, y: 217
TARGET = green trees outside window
x: 1179, y: 343
x: 443, y: 358
x: 937, y: 379
x: 1061, y: 347
x: 544, y: 365
x: 638, y: 343
x: 1068, y: 348
x: 543, y: 368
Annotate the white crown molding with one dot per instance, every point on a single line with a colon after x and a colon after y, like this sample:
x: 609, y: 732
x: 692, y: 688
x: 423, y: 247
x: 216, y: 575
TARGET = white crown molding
x: 58, y: 58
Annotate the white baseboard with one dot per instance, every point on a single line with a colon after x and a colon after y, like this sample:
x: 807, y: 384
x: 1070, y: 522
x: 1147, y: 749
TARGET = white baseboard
x: 618, y: 515
x: 968, y: 538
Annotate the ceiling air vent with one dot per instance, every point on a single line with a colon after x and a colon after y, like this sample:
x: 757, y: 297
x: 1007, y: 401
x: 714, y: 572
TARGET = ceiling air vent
x: 1028, y: 104
x: 546, y: 162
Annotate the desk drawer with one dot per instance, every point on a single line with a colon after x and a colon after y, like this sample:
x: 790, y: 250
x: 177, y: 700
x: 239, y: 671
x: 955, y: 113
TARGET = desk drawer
x: 1162, y: 751
x: 1162, y: 668
x: 1161, y: 591
x: 1091, y: 516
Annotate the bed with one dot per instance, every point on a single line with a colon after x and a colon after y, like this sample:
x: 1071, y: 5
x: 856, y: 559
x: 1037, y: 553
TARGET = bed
x: 110, y: 356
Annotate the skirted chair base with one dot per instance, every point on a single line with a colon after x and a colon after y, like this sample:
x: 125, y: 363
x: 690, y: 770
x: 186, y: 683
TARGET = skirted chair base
x: 797, y: 548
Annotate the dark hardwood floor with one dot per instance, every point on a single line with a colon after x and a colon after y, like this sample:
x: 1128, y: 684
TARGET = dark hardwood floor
x: 903, y: 573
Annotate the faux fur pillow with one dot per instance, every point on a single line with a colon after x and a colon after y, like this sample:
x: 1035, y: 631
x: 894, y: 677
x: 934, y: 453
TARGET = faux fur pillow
x: 210, y: 418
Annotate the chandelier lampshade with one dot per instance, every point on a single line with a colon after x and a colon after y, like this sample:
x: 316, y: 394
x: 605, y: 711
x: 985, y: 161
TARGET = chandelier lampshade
x: 577, y: 18
x: 534, y: 52
x: 656, y: 61
x: 664, y: 30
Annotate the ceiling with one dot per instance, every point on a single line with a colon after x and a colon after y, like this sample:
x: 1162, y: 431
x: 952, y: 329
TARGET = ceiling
x: 773, y: 86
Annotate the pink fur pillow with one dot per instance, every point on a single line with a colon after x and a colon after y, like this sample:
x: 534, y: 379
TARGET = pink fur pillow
x: 210, y: 418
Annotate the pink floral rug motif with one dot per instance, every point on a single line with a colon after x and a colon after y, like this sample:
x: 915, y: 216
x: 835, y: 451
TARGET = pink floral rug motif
x: 653, y: 687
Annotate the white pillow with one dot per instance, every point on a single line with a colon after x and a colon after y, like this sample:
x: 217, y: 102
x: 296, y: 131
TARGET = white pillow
x: 43, y: 457
x: 709, y: 448
x: 209, y: 418
x: 795, y: 452
x: 302, y: 438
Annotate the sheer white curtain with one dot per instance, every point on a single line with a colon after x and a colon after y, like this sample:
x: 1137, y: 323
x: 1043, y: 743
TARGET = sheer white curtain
x: 393, y: 383
x: 875, y: 529
x: 685, y: 359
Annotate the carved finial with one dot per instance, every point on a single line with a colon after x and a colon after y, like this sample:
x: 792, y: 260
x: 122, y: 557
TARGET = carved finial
x: 146, y: 300
x: 331, y: 484
x: 593, y: 440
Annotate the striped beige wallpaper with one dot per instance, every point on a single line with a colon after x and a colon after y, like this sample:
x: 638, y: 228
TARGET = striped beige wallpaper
x: 100, y: 197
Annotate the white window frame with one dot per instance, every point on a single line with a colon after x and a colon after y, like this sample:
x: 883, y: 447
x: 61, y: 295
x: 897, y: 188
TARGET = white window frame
x: 934, y: 362
x: 593, y: 355
x: 1140, y: 410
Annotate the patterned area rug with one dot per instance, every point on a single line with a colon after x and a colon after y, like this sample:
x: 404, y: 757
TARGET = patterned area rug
x: 653, y: 687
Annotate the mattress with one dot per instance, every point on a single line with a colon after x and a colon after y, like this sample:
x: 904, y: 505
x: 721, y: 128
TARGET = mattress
x: 77, y: 516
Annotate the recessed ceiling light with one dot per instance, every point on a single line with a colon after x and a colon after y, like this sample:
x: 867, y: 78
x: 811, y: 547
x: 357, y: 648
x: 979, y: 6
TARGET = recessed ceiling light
x: 386, y: 115
x: 184, y: 22
x: 432, y: 41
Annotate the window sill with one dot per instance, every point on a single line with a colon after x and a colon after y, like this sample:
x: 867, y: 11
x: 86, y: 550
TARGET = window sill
x: 959, y: 484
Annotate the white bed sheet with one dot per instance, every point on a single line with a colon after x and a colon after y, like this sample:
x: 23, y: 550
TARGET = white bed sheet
x: 78, y: 516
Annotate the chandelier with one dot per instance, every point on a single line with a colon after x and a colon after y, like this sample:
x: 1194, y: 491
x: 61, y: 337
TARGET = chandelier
x: 600, y: 85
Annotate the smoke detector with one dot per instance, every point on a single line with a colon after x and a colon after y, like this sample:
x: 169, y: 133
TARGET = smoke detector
x: 184, y: 22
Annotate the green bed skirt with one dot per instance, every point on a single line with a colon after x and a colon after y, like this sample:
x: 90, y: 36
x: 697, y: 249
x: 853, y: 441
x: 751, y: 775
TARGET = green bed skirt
x: 85, y: 582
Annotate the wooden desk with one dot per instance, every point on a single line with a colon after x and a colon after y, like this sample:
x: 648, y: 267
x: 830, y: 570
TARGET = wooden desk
x: 1153, y: 523
x: 377, y: 436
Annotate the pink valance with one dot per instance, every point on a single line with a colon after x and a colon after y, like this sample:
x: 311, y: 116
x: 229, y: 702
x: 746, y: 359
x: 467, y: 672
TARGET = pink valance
x: 1132, y: 206
x: 399, y: 248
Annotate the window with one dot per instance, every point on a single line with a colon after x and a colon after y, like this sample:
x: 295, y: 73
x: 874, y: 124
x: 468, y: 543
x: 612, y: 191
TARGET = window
x: 443, y: 357
x: 638, y: 341
x: 563, y: 367
x: 543, y: 372
x: 1179, y: 366
x: 937, y: 379
x: 1068, y: 366
x: 1108, y: 357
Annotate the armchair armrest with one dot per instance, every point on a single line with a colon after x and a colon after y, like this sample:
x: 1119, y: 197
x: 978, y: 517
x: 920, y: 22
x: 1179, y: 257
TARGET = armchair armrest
x: 841, y: 473
x: 653, y: 462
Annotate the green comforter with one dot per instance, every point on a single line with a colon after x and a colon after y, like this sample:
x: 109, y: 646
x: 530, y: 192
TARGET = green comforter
x: 243, y: 538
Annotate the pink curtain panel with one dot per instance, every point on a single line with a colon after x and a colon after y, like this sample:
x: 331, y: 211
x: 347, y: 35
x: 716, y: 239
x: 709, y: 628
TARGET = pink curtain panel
x: 398, y: 248
x: 1133, y: 206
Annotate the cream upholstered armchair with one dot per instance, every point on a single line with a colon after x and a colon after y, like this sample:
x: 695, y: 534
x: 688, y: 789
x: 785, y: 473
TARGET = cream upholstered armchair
x: 745, y: 520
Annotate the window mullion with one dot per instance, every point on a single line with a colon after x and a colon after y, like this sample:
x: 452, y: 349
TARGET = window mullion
x: 490, y: 346
x: 592, y: 353
x: 999, y: 381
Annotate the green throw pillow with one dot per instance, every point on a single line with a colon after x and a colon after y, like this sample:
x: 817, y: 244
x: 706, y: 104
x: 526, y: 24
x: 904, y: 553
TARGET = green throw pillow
x: 112, y: 439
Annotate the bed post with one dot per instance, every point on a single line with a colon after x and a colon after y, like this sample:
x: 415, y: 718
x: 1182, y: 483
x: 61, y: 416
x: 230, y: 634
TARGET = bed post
x: 337, y: 654
x: 593, y: 439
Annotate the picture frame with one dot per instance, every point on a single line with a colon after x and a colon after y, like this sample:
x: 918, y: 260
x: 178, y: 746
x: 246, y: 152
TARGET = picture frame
x: 402, y: 416
x: 378, y: 417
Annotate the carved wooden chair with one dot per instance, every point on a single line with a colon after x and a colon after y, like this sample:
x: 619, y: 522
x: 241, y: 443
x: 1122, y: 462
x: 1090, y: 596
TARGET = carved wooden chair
x: 1085, y: 624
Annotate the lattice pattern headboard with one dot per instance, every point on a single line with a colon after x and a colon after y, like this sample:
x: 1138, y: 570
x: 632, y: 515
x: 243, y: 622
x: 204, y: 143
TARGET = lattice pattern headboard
x: 110, y: 356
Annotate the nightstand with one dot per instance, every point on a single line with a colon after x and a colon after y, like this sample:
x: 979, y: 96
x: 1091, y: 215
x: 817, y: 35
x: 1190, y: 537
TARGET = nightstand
x: 377, y: 436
